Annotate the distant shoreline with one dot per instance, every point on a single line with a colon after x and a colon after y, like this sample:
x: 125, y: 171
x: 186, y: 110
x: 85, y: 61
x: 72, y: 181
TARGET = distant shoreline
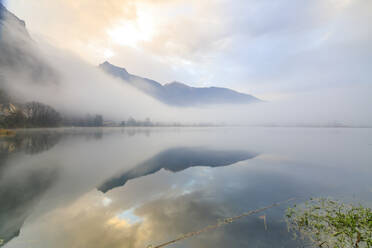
x: 13, y: 130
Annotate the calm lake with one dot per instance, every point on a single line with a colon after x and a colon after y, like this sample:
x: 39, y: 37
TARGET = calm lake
x: 135, y: 187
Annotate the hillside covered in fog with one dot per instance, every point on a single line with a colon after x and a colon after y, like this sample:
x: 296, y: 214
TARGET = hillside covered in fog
x: 179, y: 94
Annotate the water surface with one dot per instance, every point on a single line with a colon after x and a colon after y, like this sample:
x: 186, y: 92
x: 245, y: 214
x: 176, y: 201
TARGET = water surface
x: 131, y: 187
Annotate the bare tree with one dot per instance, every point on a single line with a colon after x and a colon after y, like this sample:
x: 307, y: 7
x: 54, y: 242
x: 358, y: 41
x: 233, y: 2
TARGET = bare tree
x: 41, y: 115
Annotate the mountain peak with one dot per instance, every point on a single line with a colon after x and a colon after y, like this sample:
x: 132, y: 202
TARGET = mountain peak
x: 176, y: 84
x: 106, y: 63
x: 114, y: 70
x: 179, y: 94
x: 5, y: 14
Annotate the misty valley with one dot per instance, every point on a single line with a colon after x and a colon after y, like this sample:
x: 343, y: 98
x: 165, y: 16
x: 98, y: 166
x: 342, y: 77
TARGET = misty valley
x: 156, y: 124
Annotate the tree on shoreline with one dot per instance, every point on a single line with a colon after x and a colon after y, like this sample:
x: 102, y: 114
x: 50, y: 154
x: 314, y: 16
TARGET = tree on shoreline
x: 41, y: 115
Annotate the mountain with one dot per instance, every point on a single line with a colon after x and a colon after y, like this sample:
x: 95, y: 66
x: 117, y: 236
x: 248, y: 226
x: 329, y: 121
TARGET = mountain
x: 178, y: 159
x: 21, y: 59
x: 11, y: 18
x: 179, y: 94
x: 19, y: 55
x: 19, y: 197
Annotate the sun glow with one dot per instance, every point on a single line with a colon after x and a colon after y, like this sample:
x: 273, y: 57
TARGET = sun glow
x: 130, y: 33
x: 107, y: 53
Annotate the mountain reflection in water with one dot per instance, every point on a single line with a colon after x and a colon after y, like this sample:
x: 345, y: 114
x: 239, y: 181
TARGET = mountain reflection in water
x: 178, y: 159
x: 18, y: 195
x: 49, y: 178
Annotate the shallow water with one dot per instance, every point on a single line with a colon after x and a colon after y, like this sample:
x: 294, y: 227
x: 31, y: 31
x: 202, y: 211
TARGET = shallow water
x: 131, y: 187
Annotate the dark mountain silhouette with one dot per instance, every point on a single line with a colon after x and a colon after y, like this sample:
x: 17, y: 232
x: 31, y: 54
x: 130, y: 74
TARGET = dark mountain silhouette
x: 178, y: 159
x: 18, y: 198
x: 179, y: 94
x: 19, y: 53
x: 19, y: 195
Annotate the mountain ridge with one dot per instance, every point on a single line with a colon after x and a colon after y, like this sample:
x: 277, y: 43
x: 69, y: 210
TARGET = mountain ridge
x: 19, y: 53
x: 177, y: 93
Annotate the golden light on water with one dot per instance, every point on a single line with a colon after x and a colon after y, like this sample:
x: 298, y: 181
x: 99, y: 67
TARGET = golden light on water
x: 117, y: 223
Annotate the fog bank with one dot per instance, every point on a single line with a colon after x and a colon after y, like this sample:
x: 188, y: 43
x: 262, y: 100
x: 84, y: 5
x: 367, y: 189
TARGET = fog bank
x: 33, y: 71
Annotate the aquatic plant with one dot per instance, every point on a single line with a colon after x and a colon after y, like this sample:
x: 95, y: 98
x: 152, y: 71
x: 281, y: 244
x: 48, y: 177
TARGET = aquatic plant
x: 329, y: 223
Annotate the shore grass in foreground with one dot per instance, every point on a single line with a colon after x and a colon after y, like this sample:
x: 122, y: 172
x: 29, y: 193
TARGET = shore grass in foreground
x: 328, y: 223
x: 316, y: 223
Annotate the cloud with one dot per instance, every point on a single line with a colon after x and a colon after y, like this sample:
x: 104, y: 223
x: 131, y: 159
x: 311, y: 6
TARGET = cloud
x: 78, y: 225
x: 259, y: 47
x: 161, y: 206
x: 164, y: 206
x: 314, y: 55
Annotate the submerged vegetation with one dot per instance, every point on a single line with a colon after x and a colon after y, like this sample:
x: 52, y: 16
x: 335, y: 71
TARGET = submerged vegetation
x: 328, y: 223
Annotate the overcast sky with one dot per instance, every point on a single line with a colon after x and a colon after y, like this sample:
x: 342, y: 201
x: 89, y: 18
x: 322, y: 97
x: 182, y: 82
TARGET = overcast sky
x: 271, y: 49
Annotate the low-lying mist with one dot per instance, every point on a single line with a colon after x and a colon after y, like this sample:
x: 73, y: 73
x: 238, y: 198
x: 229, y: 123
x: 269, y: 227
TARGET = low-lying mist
x: 74, y: 87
